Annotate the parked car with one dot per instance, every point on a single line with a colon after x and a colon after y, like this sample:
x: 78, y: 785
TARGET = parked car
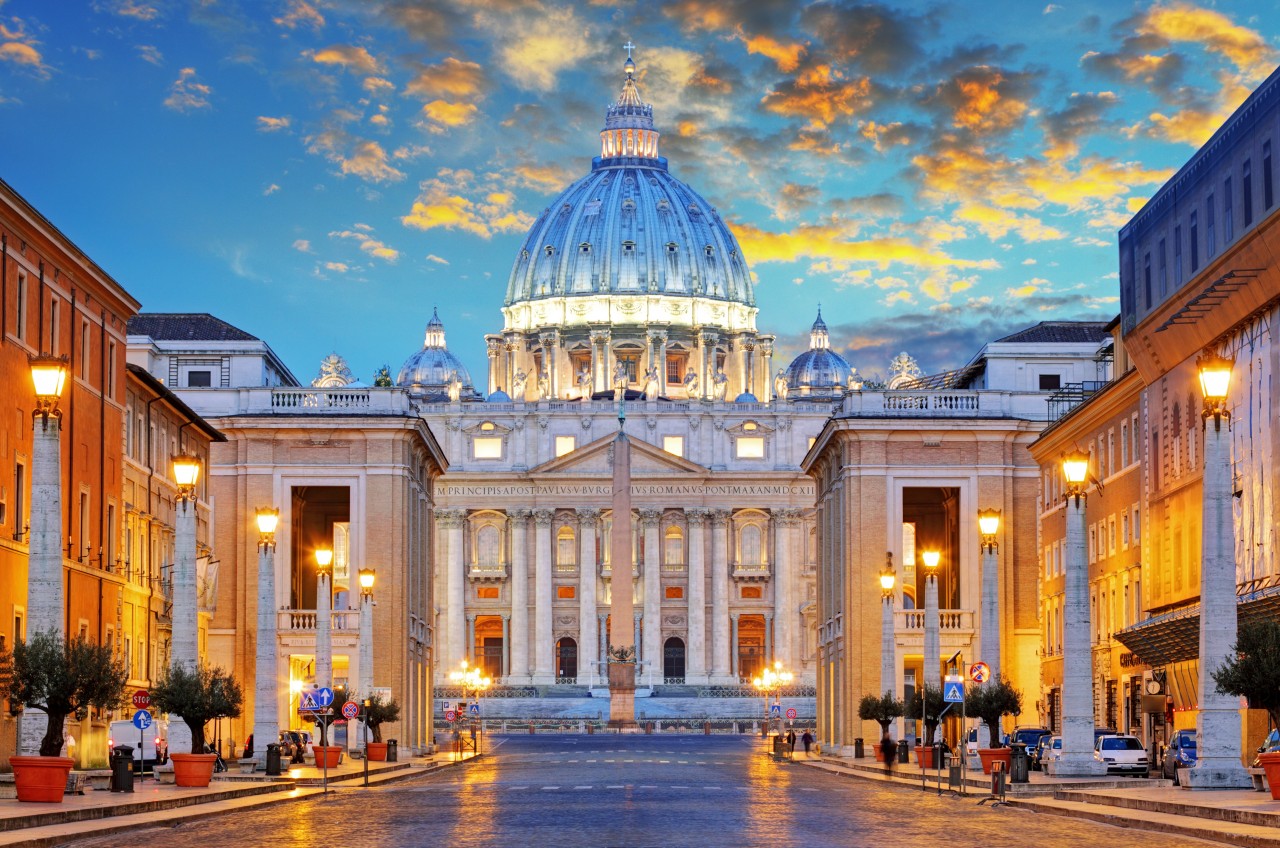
x: 1122, y: 755
x: 150, y: 746
x: 1180, y: 753
x: 979, y: 737
x: 1040, y: 753
x: 294, y: 744
x: 1029, y: 736
x: 1050, y: 751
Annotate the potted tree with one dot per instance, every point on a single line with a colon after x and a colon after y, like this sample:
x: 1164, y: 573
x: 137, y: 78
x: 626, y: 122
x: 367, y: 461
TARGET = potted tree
x: 62, y: 678
x: 198, y: 696
x: 991, y: 702
x: 882, y: 709
x: 927, y: 705
x: 1253, y: 672
x: 377, y: 711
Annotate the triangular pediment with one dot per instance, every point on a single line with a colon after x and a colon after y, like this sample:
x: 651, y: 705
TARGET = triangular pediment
x: 596, y: 458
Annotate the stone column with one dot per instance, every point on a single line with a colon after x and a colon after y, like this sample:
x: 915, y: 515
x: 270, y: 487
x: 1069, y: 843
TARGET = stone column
x: 765, y: 379
x: 588, y: 635
x: 932, y: 638
x: 888, y: 647
x: 709, y: 341
x: 364, y: 686
x: 1077, y: 656
x: 186, y: 609
x: 696, y: 653
x: 494, y: 346
x: 1218, y: 763
x: 45, y: 604
x: 506, y: 646
x: 520, y: 594
x: 990, y: 632
x: 650, y: 519
x: 543, y: 659
x: 324, y: 629
x: 734, y: 653
x: 266, y: 689
x: 451, y: 521
x: 748, y: 366
x: 784, y: 605
x: 513, y: 365
x: 600, y: 370
x: 768, y: 638
x: 720, y: 669
x: 470, y: 652
x: 603, y: 620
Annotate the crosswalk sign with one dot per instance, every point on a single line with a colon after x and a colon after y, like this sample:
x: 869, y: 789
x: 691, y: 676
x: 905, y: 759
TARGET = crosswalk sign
x: 953, y: 692
x: 308, y: 702
x: 775, y: 711
x: 474, y: 709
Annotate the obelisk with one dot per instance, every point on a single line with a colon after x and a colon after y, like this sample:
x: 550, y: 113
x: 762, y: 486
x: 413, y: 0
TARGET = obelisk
x: 622, y: 649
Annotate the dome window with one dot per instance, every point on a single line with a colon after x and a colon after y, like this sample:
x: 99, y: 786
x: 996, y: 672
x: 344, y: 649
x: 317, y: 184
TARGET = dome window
x: 524, y: 254
x: 585, y: 247
x: 628, y: 247
x: 664, y: 206
x: 711, y: 251
x: 549, y: 250
x: 628, y: 205
x: 671, y: 247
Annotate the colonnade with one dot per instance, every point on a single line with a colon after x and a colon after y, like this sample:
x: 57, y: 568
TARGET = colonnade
x: 698, y: 599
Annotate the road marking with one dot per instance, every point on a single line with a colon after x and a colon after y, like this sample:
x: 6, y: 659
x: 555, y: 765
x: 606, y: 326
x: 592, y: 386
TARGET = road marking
x: 550, y: 787
x: 647, y: 786
x: 676, y: 786
x: 807, y: 789
x: 617, y: 786
x: 582, y: 787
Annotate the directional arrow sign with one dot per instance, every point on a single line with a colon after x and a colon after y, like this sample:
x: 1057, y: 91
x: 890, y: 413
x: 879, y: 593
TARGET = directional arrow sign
x: 324, y: 696
x: 953, y: 692
x: 142, y: 719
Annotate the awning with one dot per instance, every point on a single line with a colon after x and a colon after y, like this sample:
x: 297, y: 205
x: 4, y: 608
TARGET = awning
x: 1175, y: 636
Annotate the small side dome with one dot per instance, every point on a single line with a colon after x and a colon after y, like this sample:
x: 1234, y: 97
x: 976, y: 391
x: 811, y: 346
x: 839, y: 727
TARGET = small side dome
x: 498, y: 397
x: 819, y: 372
x: 435, y: 374
x: 745, y: 397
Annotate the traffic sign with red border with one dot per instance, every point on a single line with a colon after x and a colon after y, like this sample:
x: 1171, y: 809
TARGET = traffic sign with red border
x: 450, y: 715
x: 791, y: 713
x: 350, y: 709
x: 142, y: 699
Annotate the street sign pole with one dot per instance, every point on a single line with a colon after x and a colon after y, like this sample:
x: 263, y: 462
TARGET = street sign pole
x: 365, y: 724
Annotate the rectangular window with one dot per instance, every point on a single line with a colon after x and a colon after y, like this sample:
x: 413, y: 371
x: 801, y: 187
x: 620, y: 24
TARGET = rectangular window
x: 83, y: 539
x: 1124, y: 444
x: 1146, y: 278
x: 565, y: 592
x: 750, y: 447
x: 1246, y: 192
x: 19, y: 632
x: 673, y: 445
x: 1093, y: 543
x: 20, y: 314
x: 486, y: 447
x: 1124, y: 530
x: 675, y: 369
x: 1111, y: 451
x: 1050, y: 382
x: 1208, y: 227
x: 1111, y: 535
x: 1228, y: 213
x: 199, y: 379
x: 85, y: 359
x: 1268, y: 195
x: 565, y: 444
x: 53, y: 327
x: 1195, y: 244
x: 1164, y: 270
x: 1177, y: 256
x: 1137, y: 527
x: 109, y: 534
x: 674, y: 593
x: 111, y: 372
x: 19, y: 500
x: 1135, y: 452
x: 487, y: 593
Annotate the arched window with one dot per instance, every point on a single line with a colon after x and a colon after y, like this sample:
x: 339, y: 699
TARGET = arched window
x: 749, y: 552
x: 488, y: 545
x: 673, y: 549
x: 566, y: 555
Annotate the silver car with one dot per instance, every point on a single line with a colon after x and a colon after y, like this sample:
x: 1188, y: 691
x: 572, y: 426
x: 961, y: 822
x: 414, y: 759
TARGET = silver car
x: 1122, y: 754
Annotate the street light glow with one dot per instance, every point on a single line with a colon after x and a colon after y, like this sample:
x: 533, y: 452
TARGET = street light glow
x: 1075, y: 467
x: 49, y: 376
x: 989, y: 521
x: 186, y: 471
x: 324, y: 560
x: 931, y: 559
x: 366, y: 580
x: 887, y: 579
x: 267, y: 519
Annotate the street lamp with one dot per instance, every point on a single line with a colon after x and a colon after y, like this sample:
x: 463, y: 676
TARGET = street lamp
x: 1077, y: 683
x: 888, y: 646
x: 473, y: 682
x: 1218, y: 719
x: 771, y: 681
x: 932, y: 673
x: 365, y: 683
x: 989, y: 526
x: 324, y: 616
x: 186, y: 471
x: 266, y: 686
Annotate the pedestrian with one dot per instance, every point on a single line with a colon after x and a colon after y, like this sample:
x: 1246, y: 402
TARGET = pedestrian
x: 807, y: 739
x: 888, y: 750
x: 791, y: 742
x: 248, y: 748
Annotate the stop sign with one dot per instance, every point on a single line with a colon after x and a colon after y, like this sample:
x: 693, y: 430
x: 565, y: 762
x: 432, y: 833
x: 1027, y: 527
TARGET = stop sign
x: 142, y: 699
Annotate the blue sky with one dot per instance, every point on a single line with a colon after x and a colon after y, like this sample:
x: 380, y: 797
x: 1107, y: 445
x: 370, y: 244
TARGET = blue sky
x: 322, y: 173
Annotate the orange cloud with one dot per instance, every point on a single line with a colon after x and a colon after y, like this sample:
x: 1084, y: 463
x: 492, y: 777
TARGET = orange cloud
x: 186, y: 93
x: 786, y: 56
x: 984, y: 100
x: 300, y: 13
x: 450, y: 78
x: 820, y: 95
x: 358, y: 157
x: 269, y: 124
x: 996, y: 223
x: 445, y: 202
x: 348, y: 56
x: 1243, y: 47
x: 830, y: 243
x: 449, y: 114
x: 18, y: 47
x: 368, y: 243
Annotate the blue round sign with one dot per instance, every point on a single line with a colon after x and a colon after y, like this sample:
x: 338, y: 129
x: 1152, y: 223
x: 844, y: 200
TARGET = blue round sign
x: 142, y: 719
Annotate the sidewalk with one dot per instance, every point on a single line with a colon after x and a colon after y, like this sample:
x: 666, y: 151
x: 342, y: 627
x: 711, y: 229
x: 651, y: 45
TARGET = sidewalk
x: 98, y: 812
x: 1234, y: 816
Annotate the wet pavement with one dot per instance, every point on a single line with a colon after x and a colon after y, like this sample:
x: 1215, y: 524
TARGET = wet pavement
x: 609, y: 790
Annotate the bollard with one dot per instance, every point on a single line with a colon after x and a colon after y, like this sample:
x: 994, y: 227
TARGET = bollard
x: 591, y: 728
x: 273, y: 759
x: 859, y: 749
x: 530, y: 728
x: 122, y: 769
x: 706, y: 728
x: 648, y: 728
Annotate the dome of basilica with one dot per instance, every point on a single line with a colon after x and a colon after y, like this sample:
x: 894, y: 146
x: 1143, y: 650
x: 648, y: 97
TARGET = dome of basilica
x: 819, y: 371
x: 433, y: 373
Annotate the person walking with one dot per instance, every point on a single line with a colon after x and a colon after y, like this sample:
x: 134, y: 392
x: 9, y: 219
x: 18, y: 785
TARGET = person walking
x: 888, y: 751
x: 791, y: 742
x: 807, y: 739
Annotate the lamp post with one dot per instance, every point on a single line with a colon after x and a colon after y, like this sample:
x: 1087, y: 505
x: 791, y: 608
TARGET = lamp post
x: 932, y: 673
x: 324, y: 617
x: 1077, y: 661
x: 266, y: 685
x: 1218, y: 720
x: 44, y: 583
x: 365, y: 683
x: 473, y: 681
x: 989, y: 526
x: 888, y: 646
x: 771, y: 681
x: 186, y: 651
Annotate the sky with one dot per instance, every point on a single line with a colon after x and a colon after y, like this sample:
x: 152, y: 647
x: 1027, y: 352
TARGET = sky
x: 322, y: 173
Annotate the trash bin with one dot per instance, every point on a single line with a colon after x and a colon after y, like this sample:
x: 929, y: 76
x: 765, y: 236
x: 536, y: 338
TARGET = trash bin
x: 904, y: 751
x: 779, y: 747
x: 1019, y: 764
x: 859, y: 749
x: 392, y: 751
x: 122, y: 768
x: 273, y: 759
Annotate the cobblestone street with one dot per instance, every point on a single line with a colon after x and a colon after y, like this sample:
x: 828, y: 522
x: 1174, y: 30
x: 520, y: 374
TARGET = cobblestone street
x: 611, y: 790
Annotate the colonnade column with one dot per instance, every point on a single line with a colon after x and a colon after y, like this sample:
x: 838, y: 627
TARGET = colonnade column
x: 603, y: 638
x: 451, y: 521
x: 748, y: 366
x: 708, y: 362
x: 765, y: 379
x: 599, y: 360
x: 719, y: 596
x: 650, y: 519
x: 543, y: 660
x: 506, y: 645
x: 494, y: 345
x: 587, y: 633
x: 520, y: 594
x: 470, y: 653
x: 696, y: 654
x: 734, y: 653
x: 509, y: 372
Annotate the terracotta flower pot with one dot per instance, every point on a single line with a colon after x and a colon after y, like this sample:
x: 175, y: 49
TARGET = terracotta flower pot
x: 1270, y: 763
x: 924, y: 756
x: 41, y: 779
x: 878, y: 752
x: 193, y: 769
x: 991, y: 755
x: 326, y: 755
x: 376, y: 751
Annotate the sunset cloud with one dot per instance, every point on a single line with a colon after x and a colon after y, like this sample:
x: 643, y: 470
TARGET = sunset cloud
x: 367, y: 243
x: 300, y: 13
x: 187, y: 93
x: 451, y: 78
x: 785, y: 55
x: 458, y: 200
x: 349, y: 57
x: 356, y: 156
x: 269, y: 124
x: 151, y: 54
x: 534, y: 48
x: 19, y: 48
x: 820, y: 95
x: 133, y: 9
x: 446, y: 114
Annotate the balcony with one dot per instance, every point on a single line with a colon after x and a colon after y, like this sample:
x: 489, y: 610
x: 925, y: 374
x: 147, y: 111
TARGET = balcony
x: 944, y: 403
x: 304, y: 621
x: 606, y: 571
x: 480, y: 572
x: 302, y: 401
x: 955, y: 627
x: 750, y: 573
x: 674, y: 568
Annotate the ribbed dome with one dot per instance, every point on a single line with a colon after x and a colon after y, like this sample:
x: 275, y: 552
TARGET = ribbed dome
x: 819, y: 371
x: 629, y: 229
x: 430, y: 371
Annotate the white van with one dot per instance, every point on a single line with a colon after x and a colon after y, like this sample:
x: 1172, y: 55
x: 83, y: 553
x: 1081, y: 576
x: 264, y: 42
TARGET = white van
x: 150, y: 745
